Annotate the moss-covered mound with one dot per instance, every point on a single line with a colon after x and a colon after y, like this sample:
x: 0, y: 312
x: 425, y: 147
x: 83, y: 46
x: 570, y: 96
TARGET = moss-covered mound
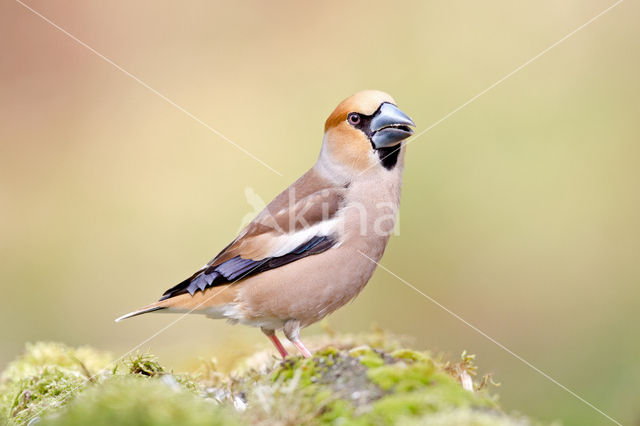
x: 374, y: 383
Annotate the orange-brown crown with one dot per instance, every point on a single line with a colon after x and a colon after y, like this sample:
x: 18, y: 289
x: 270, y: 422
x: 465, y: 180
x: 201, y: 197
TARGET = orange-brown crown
x: 346, y: 145
x: 365, y: 102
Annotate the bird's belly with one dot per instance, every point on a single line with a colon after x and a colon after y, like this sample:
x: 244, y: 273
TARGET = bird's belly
x: 306, y: 290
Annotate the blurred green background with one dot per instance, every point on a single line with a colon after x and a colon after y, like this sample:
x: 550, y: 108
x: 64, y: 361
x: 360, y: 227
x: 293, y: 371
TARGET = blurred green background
x: 519, y: 212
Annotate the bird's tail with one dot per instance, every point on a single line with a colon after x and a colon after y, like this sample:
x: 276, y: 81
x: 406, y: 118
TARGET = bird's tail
x: 207, y: 300
x: 151, y: 308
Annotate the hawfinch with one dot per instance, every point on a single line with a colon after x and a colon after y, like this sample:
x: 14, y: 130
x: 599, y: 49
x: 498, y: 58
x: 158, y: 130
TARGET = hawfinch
x: 315, y: 246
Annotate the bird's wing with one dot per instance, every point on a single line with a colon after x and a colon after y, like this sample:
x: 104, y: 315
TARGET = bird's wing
x: 285, y: 231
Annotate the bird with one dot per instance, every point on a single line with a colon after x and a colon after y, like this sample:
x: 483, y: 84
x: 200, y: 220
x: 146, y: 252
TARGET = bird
x: 316, y: 245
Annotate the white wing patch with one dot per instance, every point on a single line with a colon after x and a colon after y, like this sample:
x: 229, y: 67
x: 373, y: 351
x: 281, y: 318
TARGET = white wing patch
x: 286, y: 243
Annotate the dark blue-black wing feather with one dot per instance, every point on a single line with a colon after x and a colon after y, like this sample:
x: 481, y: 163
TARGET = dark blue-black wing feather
x: 238, y: 268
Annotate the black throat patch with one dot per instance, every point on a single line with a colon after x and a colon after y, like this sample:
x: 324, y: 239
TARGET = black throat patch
x: 389, y: 156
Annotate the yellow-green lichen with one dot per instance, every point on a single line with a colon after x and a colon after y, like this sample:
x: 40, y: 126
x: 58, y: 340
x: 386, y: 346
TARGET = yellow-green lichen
x: 402, y: 376
x: 409, y: 354
x: 45, y: 377
x: 367, y: 385
x: 138, y: 401
x: 367, y: 356
x: 350, y: 381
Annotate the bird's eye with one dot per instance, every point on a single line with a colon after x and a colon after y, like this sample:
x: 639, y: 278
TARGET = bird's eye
x: 354, y: 118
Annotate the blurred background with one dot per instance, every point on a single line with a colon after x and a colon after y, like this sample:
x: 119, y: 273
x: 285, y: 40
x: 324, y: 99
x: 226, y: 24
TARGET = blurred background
x: 519, y: 212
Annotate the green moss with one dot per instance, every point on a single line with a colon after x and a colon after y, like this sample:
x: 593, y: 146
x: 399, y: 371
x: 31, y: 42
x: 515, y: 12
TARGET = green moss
x: 144, y: 364
x: 141, y: 402
x: 327, y: 351
x: 50, y: 389
x: 45, y: 377
x: 415, y: 386
x: 305, y: 368
x: 404, y: 376
x: 437, y: 397
x: 367, y: 356
x: 337, y: 412
x: 367, y: 385
x: 45, y: 354
x: 49, y: 375
x: 408, y: 354
x: 342, y: 384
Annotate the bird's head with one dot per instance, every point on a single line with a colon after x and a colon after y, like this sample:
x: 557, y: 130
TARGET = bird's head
x: 365, y: 131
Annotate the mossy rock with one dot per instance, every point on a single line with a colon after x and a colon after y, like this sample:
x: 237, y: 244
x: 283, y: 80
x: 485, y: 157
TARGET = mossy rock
x: 137, y: 401
x: 372, y: 386
x: 44, y: 378
x: 345, y: 383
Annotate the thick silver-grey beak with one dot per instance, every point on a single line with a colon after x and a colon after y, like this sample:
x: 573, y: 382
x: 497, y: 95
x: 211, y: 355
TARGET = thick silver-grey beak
x: 390, y: 126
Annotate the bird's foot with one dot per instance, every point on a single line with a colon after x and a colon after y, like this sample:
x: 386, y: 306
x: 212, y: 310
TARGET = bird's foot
x: 302, y: 348
x: 292, y: 331
x: 276, y: 342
